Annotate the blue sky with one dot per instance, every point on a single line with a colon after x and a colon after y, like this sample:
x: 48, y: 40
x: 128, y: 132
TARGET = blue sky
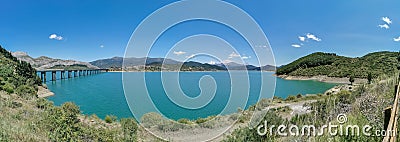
x: 92, y: 29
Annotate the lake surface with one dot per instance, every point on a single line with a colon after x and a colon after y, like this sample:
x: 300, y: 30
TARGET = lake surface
x: 103, y: 94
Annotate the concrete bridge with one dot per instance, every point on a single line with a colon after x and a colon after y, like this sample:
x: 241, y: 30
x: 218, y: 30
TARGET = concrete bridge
x: 70, y: 73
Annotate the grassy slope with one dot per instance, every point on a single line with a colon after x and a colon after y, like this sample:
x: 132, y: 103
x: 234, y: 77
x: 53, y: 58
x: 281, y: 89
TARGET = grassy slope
x: 338, y: 66
x: 25, y: 117
x: 363, y: 106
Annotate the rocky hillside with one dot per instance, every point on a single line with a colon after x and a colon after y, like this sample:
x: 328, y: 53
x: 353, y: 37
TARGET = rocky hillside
x: 44, y: 62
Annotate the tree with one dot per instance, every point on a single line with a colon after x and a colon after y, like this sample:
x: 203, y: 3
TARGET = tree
x: 351, y: 79
x: 369, y: 77
x: 398, y: 59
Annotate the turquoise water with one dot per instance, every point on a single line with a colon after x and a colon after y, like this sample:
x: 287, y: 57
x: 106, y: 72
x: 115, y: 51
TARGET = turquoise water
x: 103, y: 94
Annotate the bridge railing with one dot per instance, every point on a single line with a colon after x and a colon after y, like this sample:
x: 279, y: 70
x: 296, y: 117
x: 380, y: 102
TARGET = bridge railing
x: 70, y: 73
x: 391, y: 130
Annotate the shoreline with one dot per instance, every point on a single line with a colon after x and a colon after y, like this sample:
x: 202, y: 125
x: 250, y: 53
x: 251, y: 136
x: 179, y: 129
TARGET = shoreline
x: 44, y: 92
x: 198, y: 71
x: 324, y: 78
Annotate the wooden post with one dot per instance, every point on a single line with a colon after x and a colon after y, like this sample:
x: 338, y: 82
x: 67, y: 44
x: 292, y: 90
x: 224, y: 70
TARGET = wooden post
x: 388, y: 113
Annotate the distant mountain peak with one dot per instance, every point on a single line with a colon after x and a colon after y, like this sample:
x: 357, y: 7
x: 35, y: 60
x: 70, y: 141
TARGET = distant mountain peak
x: 19, y: 53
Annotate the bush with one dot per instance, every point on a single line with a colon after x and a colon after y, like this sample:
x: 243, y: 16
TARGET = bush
x: 185, y: 121
x: 129, y: 127
x: 110, y: 119
x: 26, y: 91
x: 42, y: 103
x: 8, y: 87
x: 63, y: 122
x: 290, y: 98
x: 201, y: 120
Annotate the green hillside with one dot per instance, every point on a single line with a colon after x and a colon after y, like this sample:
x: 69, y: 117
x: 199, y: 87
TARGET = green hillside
x: 25, y: 117
x: 333, y: 65
x: 17, y: 76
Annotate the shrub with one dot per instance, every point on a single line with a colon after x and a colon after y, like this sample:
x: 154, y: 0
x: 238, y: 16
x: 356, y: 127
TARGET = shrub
x: 185, y: 121
x: 26, y: 91
x: 42, y: 103
x: 290, y: 98
x: 129, y: 127
x: 63, y: 122
x: 8, y: 87
x: 201, y: 120
x: 110, y: 118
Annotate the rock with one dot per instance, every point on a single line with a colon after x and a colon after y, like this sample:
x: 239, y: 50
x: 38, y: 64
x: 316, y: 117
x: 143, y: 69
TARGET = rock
x: 44, y: 92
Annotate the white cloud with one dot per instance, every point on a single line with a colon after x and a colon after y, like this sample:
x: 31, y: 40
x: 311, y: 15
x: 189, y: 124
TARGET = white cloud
x: 312, y: 37
x: 302, y: 38
x: 179, y: 53
x: 386, y: 26
x: 396, y: 39
x: 246, y: 57
x: 56, y: 37
x: 233, y: 55
x: 102, y: 46
x: 296, y: 45
x: 387, y: 20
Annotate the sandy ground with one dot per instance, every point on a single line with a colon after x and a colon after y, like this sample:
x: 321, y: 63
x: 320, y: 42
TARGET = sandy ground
x: 323, y: 78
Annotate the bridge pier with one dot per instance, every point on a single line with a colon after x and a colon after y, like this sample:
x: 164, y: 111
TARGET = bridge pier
x: 62, y: 74
x: 53, y: 76
x: 43, y: 76
x: 70, y: 74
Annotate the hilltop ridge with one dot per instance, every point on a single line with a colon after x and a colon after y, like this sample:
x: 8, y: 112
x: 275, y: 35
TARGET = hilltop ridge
x: 154, y: 64
x: 333, y: 65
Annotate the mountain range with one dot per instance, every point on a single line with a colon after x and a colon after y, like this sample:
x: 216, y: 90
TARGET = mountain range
x: 44, y: 62
x: 135, y: 64
x: 116, y: 62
